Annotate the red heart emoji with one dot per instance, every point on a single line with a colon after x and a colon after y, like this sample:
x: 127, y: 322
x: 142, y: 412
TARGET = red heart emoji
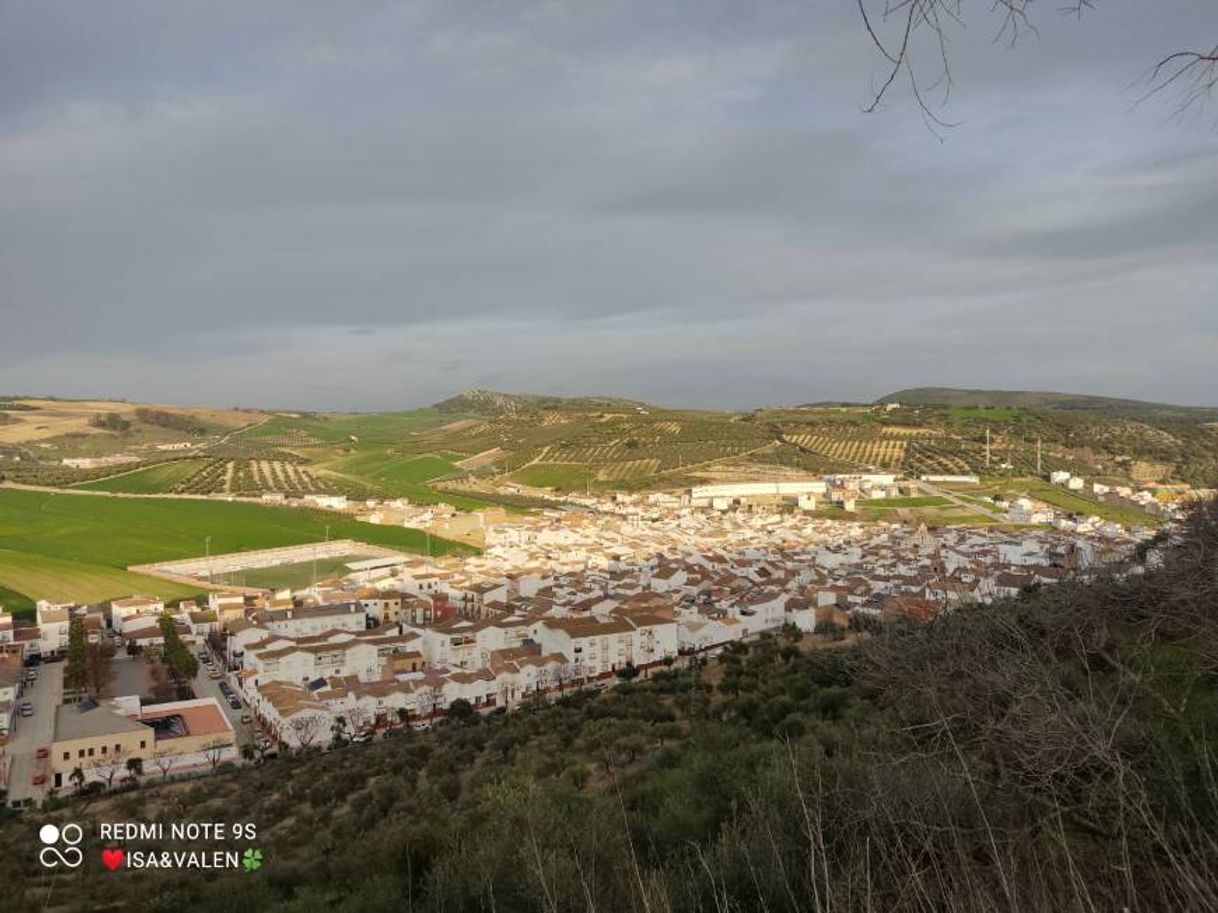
x: 113, y: 858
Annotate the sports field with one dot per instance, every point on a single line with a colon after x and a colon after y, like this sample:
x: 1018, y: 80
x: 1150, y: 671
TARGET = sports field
x: 294, y: 576
x: 77, y: 546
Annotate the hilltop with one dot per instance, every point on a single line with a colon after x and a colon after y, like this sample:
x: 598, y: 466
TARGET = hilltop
x: 1115, y: 407
x: 477, y: 401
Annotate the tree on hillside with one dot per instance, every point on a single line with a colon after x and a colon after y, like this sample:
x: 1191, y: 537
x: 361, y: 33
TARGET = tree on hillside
x: 307, y: 729
x: 164, y: 761
x: 109, y: 421
x: 214, y: 752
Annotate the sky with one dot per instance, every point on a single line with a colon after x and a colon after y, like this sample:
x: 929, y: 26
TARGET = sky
x: 372, y: 205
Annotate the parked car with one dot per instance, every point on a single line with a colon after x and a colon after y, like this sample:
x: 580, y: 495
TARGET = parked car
x: 27, y: 709
x: 42, y: 753
x: 245, y: 718
x: 234, y: 703
x: 38, y: 779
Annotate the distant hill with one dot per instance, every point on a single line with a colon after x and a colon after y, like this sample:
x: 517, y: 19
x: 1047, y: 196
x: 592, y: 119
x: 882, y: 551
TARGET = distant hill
x: 477, y: 401
x: 1108, y: 406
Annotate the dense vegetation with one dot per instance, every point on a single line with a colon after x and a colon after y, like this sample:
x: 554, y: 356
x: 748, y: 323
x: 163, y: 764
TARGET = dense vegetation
x: 1053, y: 752
x: 175, y: 421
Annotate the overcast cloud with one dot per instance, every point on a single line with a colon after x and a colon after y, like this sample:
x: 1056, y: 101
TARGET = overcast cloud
x: 367, y: 205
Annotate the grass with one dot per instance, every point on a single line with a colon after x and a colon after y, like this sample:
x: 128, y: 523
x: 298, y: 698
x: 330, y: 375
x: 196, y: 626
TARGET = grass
x: 335, y: 427
x: 389, y: 471
x: 17, y: 604
x: 928, y: 501
x: 291, y: 576
x: 95, y: 538
x: 1070, y: 501
x: 1073, y: 502
x: 26, y: 577
x: 564, y: 476
x: 150, y: 480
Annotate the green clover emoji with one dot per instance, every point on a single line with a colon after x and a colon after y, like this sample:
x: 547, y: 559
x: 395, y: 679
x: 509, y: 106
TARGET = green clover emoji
x: 252, y: 860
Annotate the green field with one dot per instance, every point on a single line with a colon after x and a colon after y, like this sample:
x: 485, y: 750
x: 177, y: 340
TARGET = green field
x: 929, y: 501
x: 333, y: 428
x: 1074, y: 502
x: 388, y: 470
x: 564, y: 476
x: 148, y: 481
x: 89, y: 540
x: 16, y: 603
x: 291, y: 576
x: 30, y: 577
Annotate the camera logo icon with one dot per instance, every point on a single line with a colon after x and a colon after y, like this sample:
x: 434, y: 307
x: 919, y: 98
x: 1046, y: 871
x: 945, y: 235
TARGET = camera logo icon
x: 61, y: 846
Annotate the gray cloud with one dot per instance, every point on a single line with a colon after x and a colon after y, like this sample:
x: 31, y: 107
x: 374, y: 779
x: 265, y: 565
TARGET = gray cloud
x: 684, y: 205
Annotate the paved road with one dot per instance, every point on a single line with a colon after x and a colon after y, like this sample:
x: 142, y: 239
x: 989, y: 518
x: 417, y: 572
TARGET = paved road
x: 973, y: 506
x: 34, y: 732
x: 207, y: 687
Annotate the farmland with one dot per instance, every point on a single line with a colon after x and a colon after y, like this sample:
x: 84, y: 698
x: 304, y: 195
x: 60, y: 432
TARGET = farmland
x: 157, y: 479
x: 562, y: 476
x: 88, y: 541
x: 603, y: 444
x: 29, y: 577
x: 333, y: 428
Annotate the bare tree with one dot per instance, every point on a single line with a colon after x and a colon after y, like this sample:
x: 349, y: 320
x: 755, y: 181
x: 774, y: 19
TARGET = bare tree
x: 307, y: 729
x: 109, y: 766
x: 214, y: 752
x: 904, y: 31
x: 164, y: 761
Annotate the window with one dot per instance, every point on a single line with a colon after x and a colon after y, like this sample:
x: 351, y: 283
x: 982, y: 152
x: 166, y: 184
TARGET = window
x: 90, y: 752
x: 67, y: 755
x: 81, y: 753
x: 103, y: 749
x: 143, y: 744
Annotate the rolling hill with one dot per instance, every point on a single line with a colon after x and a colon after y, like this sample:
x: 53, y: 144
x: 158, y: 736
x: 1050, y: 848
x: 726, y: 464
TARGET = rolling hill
x: 1116, y: 407
x: 477, y: 401
x: 466, y: 448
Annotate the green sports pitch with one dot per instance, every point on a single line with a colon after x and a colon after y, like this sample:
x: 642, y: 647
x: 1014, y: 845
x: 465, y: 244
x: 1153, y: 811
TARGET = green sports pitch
x: 76, y: 546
